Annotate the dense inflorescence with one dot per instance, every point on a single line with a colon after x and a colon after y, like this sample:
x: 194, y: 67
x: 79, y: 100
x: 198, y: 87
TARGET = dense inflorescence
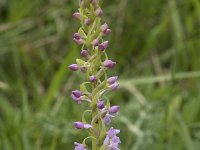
x: 94, y: 64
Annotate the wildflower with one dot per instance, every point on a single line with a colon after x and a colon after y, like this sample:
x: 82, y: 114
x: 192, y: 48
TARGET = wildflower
x: 81, y: 125
x: 109, y: 64
x: 79, y: 146
x: 114, y: 86
x: 95, y: 42
x: 74, y: 67
x: 84, y: 53
x: 77, y: 15
x: 112, y: 80
x: 103, y: 46
x: 101, y: 104
x: 93, y: 78
x: 114, y: 109
x: 99, y: 12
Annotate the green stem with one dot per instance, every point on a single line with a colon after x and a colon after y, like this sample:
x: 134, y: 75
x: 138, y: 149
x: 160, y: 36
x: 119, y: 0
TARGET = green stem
x: 95, y: 126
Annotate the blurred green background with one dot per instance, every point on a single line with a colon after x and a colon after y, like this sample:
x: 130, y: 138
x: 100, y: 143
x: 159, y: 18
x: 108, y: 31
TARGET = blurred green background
x: 157, y: 46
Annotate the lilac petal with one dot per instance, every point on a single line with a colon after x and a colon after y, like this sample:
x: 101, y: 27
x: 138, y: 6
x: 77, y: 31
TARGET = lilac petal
x: 109, y: 63
x: 114, y: 86
x: 76, y: 99
x: 74, y: 67
x: 114, y: 109
x: 101, y: 104
x: 77, y: 93
x: 112, y: 80
x: 107, y: 119
x: 78, y: 125
x: 79, y: 146
x: 87, y: 126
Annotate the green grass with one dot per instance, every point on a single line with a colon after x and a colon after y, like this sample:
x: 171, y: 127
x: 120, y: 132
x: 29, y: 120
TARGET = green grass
x: 157, y: 47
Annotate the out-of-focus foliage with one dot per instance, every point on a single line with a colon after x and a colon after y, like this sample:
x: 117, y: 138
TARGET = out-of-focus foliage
x: 157, y: 46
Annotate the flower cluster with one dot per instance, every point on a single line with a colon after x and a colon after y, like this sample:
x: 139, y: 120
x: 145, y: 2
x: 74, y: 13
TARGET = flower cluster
x: 94, y: 63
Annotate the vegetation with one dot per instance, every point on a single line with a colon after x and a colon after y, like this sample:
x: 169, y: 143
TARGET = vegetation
x: 157, y: 47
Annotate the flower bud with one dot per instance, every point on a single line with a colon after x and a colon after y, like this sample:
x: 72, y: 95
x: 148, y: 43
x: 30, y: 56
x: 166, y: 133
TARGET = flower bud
x: 95, y: 42
x: 77, y: 15
x: 78, y: 41
x: 107, y: 31
x: 99, y: 12
x: 87, y: 22
x: 114, y: 109
x: 112, y: 80
x: 74, y: 67
x: 77, y: 36
x: 109, y: 63
x: 77, y: 93
x: 93, y: 78
x: 84, y: 53
x: 101, y: 104
x: 104, y: 27
x: 78, y: 125
x: 103, y: 46
x: 114, y: 86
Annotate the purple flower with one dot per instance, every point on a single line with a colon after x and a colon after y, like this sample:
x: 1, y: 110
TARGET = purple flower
x: 77, y: 36
x: 74, y: 67
x: 84, y: 53
x: 81, y: 125
x: 79, y: 146
x: 99, y: 12
x: 95, y: 42
x: 76, y: 96
x: 101, y: 104
x: 78, y: 125
x: 107, y: 31
x: 78, y: 41
x: 114, y: 86
x: 104, y: 27
x: 77, y: 15
x: 112, y: 80
x: 107, y: 119
x: 77, y: 93
x: 114, y: 109
x: 87, y: 22
x: 109, y: 63
x: 93, y: 78
x: 103, y: 46
x: 112, y: 132
x: 111, y: 140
